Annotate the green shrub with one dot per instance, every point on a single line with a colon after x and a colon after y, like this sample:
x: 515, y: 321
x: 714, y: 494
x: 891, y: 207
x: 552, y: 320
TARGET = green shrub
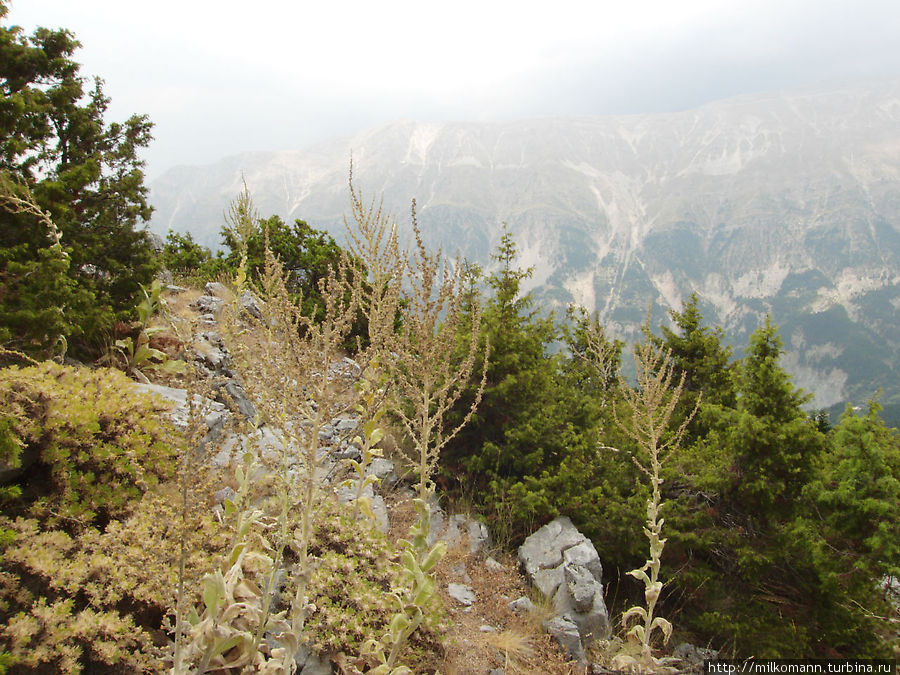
x: 96, y: 444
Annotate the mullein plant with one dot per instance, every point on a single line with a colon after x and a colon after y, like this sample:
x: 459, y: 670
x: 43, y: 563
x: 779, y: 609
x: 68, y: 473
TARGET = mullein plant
x: 284, y: 360
x: 429, y: 376
x: 649, y: 405
x: 373, y: 243
x: 372, y: 405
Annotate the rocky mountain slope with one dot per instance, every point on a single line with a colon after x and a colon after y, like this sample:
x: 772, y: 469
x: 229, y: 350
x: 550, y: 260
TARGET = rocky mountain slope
x: 788, y: 204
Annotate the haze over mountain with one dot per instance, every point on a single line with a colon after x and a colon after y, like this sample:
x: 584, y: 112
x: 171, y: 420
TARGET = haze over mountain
x: 781, y: 203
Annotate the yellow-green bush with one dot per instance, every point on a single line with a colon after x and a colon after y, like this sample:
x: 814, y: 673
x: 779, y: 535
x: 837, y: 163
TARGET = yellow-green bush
x: 84, y: 565
x: 98, y: 444
x: 79, y: 603
x: 354, y: 576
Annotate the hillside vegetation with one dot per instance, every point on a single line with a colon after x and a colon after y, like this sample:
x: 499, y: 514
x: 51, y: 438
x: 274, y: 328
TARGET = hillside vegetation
x: 135, y: 540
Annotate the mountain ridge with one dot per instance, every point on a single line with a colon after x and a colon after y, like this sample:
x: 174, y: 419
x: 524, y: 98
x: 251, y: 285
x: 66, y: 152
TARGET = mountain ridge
x: 782, y: 204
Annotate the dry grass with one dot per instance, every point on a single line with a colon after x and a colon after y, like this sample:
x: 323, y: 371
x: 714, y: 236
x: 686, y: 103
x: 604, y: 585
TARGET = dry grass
x: 518, y: 644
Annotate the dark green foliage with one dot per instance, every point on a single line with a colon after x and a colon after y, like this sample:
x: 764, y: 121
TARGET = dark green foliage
x: 854, y: 510
x: 305, y: 253
x: 776, y: 444
x: 758, y: 573
x: 697, y: 351
x: 530, y: 451
x: 517, y: 429
x: 512, y: 431
x: 85, y: 172
x: 37, y: 295
x: 187, y: 259
x: 93, y: 442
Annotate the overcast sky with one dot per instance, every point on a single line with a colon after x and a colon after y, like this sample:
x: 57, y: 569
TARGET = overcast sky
x: 222, y: 77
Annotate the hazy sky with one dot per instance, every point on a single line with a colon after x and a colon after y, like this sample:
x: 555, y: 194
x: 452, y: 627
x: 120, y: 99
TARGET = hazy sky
x: 222, y: 77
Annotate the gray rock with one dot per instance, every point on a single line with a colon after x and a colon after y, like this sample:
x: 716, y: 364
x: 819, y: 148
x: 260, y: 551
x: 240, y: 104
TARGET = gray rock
x: 268, y: 443
x: 215, y: 414
x: 544, y: 549
x: 462, y: 594
x: 521, y: 605
x: 216, y: 289
x: 208, y: 304
x: 156, y: 241
x: 348, y: 451
x: 175, y: 290
x: 346, y: 367
x: 459, y: 570
x: 345, y: 424
x: 565, y: 567
x: 233, y: 392
x: 326, y: 433
x: 493, y: 565
x: 692, y: 658
x: 438, y: 519
x: 251, y: 305
x: 479, y: 537
x: 566, y: 633
x: 580, y: 586
x: 384, y: 471
x: 459, y: 524
x: 211, y: 355
x: 484, y: 628
x: 309, y: 663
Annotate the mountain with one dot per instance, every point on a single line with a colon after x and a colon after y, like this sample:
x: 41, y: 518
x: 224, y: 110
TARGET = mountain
x: 781, y: 203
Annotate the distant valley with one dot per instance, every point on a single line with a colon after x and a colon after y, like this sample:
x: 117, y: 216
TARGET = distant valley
x: 781, y: 203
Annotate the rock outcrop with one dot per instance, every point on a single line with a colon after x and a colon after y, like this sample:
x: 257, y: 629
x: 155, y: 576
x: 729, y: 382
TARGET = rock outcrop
x: 563, y: 564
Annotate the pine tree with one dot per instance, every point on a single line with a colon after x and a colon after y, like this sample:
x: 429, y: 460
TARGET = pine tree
x: 752, y: 582
x: 511, y: 433
x: 55, y: 141
x: 776, y: 444
x: 697, y: 351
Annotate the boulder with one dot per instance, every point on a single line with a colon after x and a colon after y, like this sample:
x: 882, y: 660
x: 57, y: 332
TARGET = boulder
x: 214, y: 413
x: 156, y: 242
x: 475, y: 531
x: 462, y: 594
x: 208, y: 305
x: 384, y: 470
x: 566, y: 633
x: 216, y: 289
x: 563, y: 564
x: 251, y: 305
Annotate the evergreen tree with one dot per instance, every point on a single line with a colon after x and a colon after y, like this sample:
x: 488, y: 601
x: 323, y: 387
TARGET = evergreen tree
x: 697, y: 351
x: 752, y: 583
x: 184, y: 257
x: 776, y: 444
x: 511, y: 433
x: 56, y: 143
x: 851, y: 525
x: 305, y: 254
